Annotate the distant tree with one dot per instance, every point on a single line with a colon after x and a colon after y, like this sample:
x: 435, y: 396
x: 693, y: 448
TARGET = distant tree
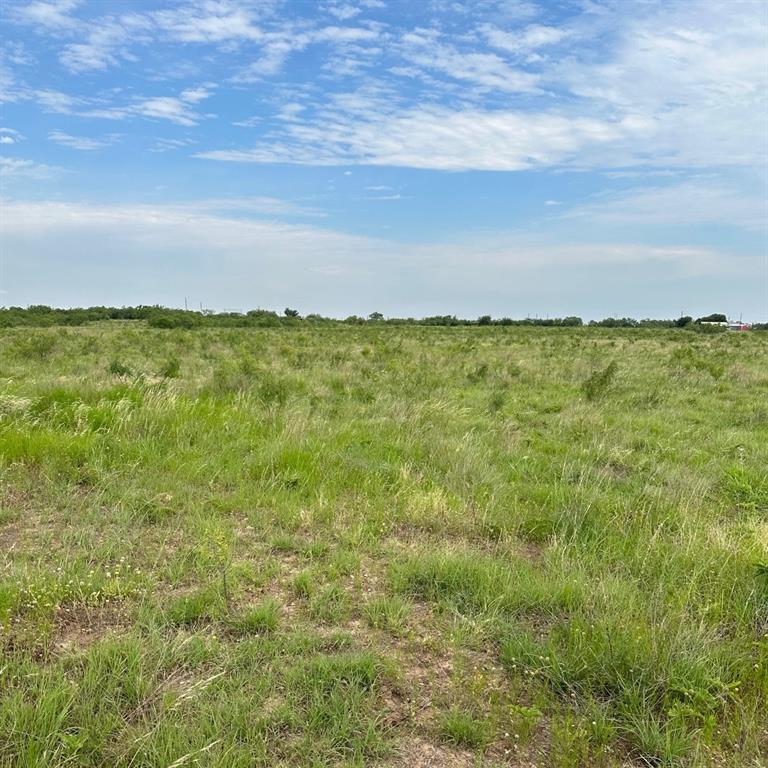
x: 713, y: 318
x: 441, y: 320
x: 484, y: 320
x: 375, y: 316
x: 288, y: 312
x: 681, y: 322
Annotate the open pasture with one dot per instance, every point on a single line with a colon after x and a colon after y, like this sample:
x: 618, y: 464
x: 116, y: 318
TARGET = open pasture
x: 400, y: 546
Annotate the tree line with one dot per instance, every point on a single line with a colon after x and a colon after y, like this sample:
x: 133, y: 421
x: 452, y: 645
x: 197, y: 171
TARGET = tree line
x: 165, y: 317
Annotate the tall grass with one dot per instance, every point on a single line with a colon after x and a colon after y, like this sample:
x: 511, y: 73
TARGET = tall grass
x: 358, y: 545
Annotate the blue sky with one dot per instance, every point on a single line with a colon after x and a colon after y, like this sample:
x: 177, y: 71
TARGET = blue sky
x: 492, y: 156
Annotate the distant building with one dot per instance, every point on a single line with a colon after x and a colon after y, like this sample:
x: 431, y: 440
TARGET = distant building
x: 737, y: 325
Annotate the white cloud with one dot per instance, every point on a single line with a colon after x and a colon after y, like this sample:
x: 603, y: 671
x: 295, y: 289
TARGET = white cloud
x: 215, y: 21
x: 9, y: 136
x: 176, y: 109
x: 17, y: 168
x: 195, y: 95
x: 694, y: 201
x: 679, y: 86
x: 272, y: 59
x: 101, y: 49
x: 53, y: 14
x: 251, y: 122
x: 343, y: 11
x: 166, y: 145
x: 278, y: 46
x: 524, y: 41
x: 202, y: 225
x: 264, y: 206
x: 424, y: 49
x: 290, y: 112
x: 438, y: 139
x: 55, y: 101
x: 167, y: 108
x: 697, y: 71
x: 81, y: 142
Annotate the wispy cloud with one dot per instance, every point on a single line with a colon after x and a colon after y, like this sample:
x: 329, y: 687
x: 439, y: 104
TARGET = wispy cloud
x: 50, y: 14
x: 278, y: 46
x: 175, y: 109
x: 210, y: 22
x: 694, y: 201
x: 207, y: 225
x: 438, y: 139
x: 424, y: 49
x: 524, y: 41
x: 343, y: 11
x: 19, y: 168
x: 106, y: 44
x: 84, y: 143
x: 677, y: 87
x: 167, y: 145
x: 55, y: 101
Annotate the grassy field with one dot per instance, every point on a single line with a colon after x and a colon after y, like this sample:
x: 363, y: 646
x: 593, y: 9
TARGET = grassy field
x: 392, y: 546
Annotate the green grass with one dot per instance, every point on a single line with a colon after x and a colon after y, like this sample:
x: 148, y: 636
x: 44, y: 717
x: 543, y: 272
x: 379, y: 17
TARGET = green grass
x: 464, y: 730
x: 387, y: 613
x: 335, y: 545
x: 260, y: 618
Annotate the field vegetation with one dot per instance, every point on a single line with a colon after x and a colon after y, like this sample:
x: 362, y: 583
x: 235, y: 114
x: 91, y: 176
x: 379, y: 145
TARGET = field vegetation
x: 371, y: 544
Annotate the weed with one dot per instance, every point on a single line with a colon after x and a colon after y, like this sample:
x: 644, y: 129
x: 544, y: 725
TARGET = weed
x: 190, y: 609
x: 37, y: 346
x: 464, y: 729
x: 387, y: 613
x: 331, y: 606
x: 170, y: 369
x: 496, y: 402
x: 116, y: 368
x: 261, y: 618
x: 302, y: 584
x: 597, y: 384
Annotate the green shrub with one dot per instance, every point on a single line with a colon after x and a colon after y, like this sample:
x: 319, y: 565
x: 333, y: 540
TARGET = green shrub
x: 116, y: 368
x: 37, y: 346
x: 170, y: 368
x: 596, y: 385
x: 465, y: 730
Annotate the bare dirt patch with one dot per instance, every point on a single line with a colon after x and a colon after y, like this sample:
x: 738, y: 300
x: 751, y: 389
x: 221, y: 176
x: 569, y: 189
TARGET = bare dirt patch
x: 77, y: 627
x: 416, y: 752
